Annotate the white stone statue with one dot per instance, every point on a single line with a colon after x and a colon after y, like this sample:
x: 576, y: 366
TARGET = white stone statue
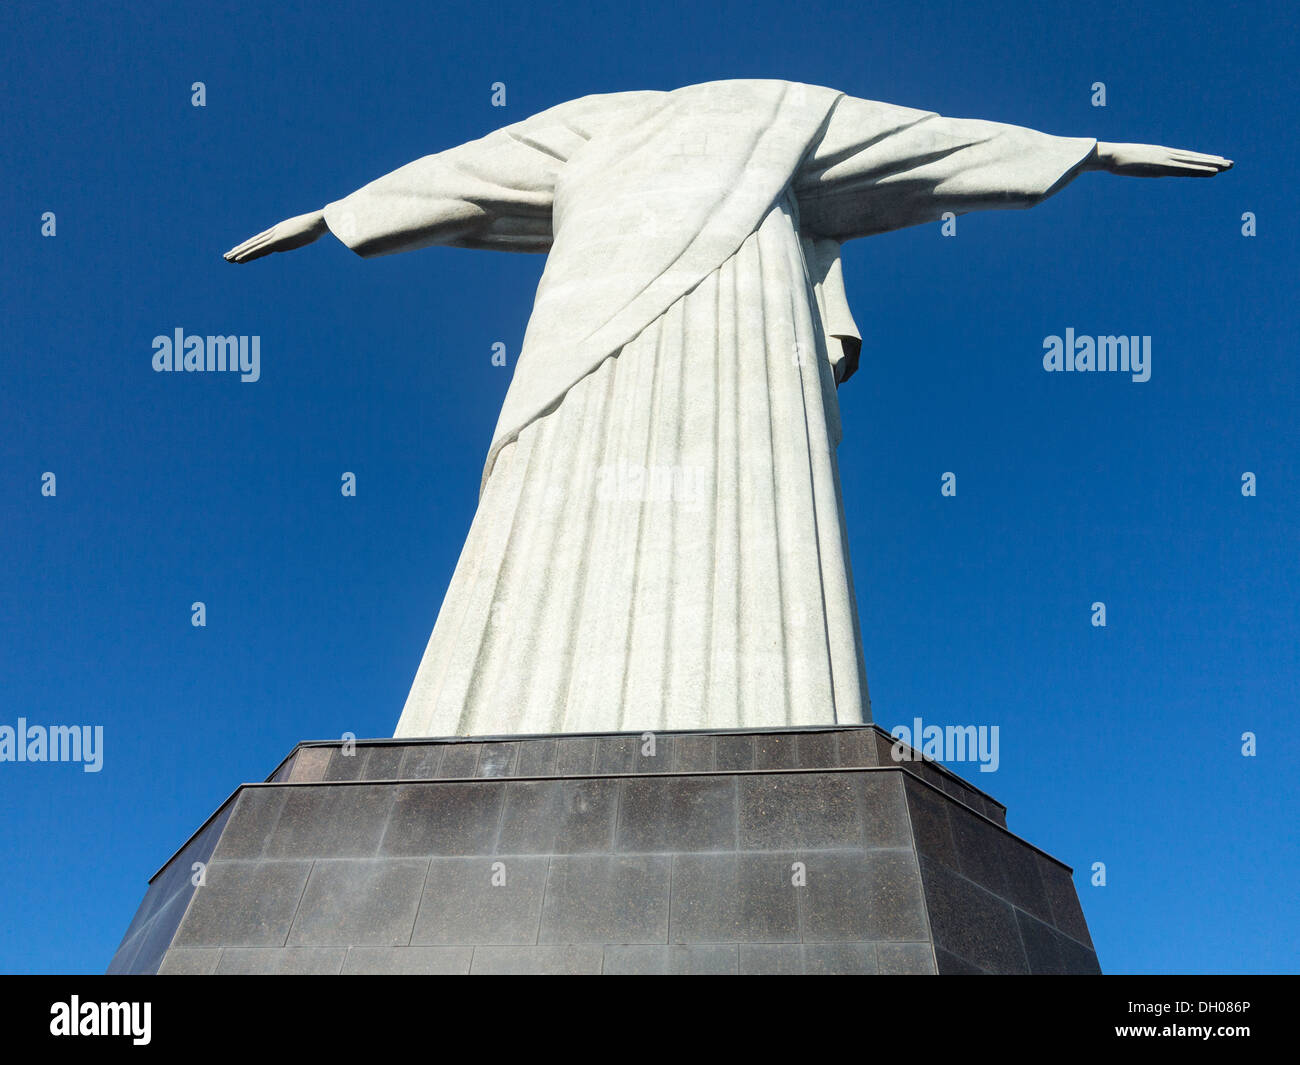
x: 659, y: 541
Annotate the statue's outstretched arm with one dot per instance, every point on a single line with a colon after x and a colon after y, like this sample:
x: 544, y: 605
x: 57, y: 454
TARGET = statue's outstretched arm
x: 495, y: 192
x: 879, y: 167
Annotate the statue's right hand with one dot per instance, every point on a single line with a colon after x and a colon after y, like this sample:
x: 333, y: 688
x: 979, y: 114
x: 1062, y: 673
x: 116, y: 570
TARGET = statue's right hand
x: 283, y: 236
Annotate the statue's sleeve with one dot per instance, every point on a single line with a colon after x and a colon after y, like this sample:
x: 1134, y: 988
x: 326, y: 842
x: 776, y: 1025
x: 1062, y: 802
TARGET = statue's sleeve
x: 495, y: 192
x: 879, y: 167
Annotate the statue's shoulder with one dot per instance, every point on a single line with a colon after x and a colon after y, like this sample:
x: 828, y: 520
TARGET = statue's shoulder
x: 604, y: 102
x: 599, y: 113
x: 597, y: 103
x: 764, y: 85
x: 595, y: 113
x: 741, y: 96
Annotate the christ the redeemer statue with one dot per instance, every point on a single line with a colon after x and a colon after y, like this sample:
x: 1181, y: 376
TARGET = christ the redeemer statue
x: 659, y: 541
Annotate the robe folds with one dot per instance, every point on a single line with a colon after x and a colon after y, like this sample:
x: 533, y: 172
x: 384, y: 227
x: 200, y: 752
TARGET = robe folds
x: 660, y: 541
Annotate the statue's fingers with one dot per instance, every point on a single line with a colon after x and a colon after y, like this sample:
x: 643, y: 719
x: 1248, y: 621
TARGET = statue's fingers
x: 251, y: 242
x: 266, y: 234
x: 262, y: 241
x: 240, y: 254
x: 239, y: 249
x: 1200, y: 160
x: 259, y: 252
x: 1182, y: 155
x: 253, y: 248
x: 250, y: 251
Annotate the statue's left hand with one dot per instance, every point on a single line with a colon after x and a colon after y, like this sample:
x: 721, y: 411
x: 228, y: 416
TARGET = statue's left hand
x: 1154, y: 160
x: 283, y: 236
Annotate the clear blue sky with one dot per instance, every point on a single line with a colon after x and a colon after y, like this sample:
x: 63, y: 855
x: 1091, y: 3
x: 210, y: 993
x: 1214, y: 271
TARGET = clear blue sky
x: 1119, y: 745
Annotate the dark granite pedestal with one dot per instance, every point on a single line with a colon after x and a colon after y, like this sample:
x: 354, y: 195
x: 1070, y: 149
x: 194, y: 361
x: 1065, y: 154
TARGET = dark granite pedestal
x: 806, y: 850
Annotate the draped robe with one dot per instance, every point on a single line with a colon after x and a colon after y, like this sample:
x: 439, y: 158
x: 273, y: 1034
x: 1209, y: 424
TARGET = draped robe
x: 659, y: 541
